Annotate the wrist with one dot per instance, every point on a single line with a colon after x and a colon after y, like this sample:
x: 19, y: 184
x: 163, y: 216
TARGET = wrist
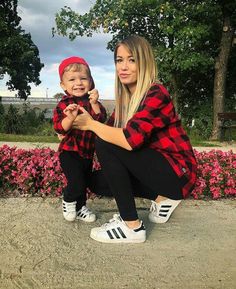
x: 70, y: 119
x: 91, y: 124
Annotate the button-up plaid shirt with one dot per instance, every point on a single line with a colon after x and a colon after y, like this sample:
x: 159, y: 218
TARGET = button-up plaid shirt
x: 156, y: 125
x: 75, y: 139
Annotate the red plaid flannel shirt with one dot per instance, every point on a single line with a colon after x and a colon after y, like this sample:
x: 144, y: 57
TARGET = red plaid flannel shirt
x: 75, y: 139
x: 156, y: 125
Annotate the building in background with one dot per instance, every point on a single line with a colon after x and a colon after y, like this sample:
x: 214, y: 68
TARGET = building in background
x: 46, y: 104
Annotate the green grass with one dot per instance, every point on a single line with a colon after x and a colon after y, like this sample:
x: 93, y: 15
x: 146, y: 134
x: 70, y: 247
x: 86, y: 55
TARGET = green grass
x: 28, y: 138
x: 199, y: 143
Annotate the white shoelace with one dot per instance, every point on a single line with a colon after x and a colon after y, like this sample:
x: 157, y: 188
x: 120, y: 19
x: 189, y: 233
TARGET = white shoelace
x: 116, y: 218
x: 154, y: 207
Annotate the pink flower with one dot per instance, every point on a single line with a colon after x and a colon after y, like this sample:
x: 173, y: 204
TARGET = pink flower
x: 37, y: 172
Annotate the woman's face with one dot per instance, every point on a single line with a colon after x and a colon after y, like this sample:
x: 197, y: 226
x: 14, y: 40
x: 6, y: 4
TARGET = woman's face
x: 126, y: 68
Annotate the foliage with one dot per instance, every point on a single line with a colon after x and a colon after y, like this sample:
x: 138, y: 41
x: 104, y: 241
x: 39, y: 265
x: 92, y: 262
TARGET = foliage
x: 31, y: 121
x: 37, y: 172
x: 19, y: 56
x: 13, y: 121
x: 38, y: 139
x: 199, y: 126
x: 2, y: 112
x: 185, y: 36
x: 58, y: 95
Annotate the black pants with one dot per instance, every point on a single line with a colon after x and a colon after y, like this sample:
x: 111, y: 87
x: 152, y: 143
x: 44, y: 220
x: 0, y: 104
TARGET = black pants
x: 78, y: 172
x: 125, y: 174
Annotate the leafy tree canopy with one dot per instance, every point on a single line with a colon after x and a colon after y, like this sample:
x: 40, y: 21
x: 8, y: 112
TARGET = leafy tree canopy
x: 19, y: 56
x: 58, y: 95
x: 185, y: 36
x: 179, y: 31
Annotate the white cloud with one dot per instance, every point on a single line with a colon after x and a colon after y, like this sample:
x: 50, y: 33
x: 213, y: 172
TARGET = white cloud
x: 38, y: 19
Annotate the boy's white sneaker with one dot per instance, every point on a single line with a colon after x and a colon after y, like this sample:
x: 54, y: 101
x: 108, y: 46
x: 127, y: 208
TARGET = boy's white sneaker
x: 116, y: 231
x: 69, y: 210
x: 84, y: 214
x: 161, y: 212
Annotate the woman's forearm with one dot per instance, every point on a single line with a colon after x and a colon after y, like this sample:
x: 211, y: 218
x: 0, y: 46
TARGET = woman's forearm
x: 110, y: 134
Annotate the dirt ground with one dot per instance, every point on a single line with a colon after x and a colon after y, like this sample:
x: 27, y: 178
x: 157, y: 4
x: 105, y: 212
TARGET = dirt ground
x: 39, y: 250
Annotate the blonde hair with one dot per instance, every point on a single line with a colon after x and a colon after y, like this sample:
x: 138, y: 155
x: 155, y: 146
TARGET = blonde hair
x: 127, y: 104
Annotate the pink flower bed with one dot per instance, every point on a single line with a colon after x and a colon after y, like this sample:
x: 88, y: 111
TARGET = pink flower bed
x: 37, y: 172
x: 216, y: 177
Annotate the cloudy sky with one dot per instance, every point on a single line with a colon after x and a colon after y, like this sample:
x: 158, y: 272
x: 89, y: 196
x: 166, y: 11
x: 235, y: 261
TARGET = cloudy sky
x: 38, y: 19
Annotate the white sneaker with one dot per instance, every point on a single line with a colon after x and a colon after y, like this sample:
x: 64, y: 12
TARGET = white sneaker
x: 84, y: 214
x: 116, y: 231
x: 161, y: 212
x: 69, y: 210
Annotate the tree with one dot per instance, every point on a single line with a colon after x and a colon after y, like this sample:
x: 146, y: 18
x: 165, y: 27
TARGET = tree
x: 184, y: 34
x: 179, y: 32
x: 228, y: 19
x: 13, y: 123
x: 58, y: 95
x: 19, y: 56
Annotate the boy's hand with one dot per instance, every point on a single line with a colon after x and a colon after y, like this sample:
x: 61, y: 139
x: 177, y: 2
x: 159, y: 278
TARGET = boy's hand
x: 93, y: 96
x: 60, y: 136
x: 71, y: 111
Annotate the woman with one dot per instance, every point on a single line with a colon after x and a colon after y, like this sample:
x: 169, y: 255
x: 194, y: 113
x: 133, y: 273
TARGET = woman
x: 143, y: 150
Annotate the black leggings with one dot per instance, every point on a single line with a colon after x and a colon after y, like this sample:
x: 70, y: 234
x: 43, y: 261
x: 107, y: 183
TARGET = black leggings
x: 78, y: 173
x: 143, y: 173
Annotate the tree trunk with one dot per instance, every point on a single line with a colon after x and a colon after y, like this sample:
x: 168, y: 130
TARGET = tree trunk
x: 221, y: 64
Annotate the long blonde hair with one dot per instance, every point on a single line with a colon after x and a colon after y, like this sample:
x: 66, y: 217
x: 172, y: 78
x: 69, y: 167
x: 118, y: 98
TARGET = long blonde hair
x: 127, y: 104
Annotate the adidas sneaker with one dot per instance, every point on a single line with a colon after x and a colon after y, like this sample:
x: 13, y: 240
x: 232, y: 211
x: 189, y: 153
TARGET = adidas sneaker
x: 84, y: 214
x: 116, y: 231
x: 161, y: 212
x: 69, y: 210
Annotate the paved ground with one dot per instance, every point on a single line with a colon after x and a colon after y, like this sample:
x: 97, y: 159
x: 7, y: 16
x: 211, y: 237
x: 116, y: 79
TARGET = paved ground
x: 39, y: 250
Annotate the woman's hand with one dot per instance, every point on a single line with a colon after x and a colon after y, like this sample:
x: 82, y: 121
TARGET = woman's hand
x: 83, y: 121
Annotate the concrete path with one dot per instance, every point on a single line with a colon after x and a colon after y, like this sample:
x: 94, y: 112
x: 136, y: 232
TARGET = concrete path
x: 39, y: 250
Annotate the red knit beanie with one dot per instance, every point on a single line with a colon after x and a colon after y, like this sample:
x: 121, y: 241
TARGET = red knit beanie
x: 68, y: 61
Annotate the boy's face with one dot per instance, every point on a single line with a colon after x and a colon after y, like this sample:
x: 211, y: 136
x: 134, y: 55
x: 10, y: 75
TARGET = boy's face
x: 76, y: 83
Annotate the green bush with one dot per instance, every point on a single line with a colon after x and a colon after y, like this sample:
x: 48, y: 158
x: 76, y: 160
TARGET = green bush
x: 13, y: 121
x: 46, y: 129
x: 28, y: 122
x: 2, y: 115
x: 199, y: 125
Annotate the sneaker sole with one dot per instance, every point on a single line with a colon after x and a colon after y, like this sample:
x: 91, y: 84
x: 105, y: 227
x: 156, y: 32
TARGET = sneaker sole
x: 70, y: 220
x: 117, y: 241
x: 84, y: 220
